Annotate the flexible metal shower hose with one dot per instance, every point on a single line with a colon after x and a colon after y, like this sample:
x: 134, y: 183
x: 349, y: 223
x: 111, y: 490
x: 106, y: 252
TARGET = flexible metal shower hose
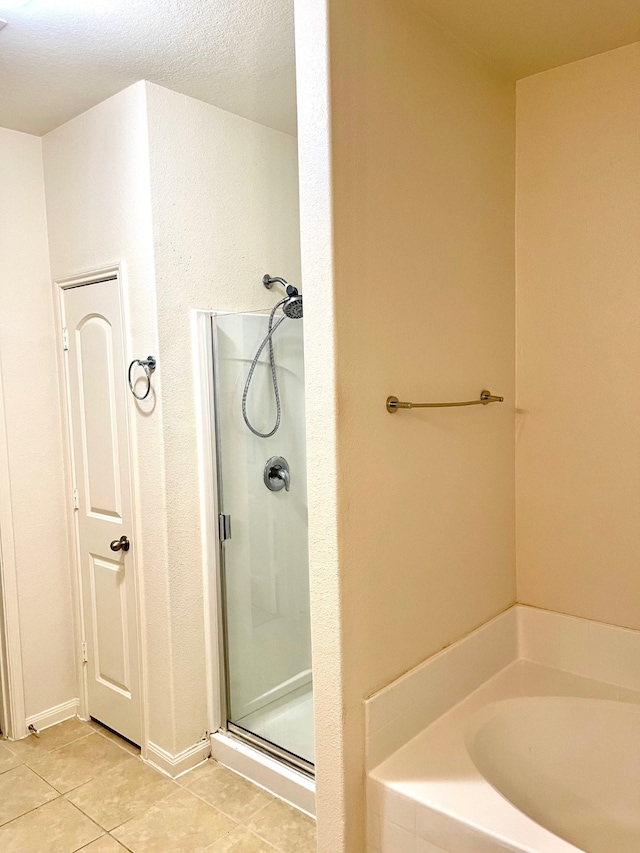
x: 272, y: 362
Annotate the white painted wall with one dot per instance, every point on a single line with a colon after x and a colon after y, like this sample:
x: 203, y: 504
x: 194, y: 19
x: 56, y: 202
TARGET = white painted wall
x: 196, y: 204
x: 225, y: 211
x: 99, y: 212
x: 13, y: 719
x: 34, y: 429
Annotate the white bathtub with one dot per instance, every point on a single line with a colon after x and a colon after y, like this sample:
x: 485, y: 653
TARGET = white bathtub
x: 573, y: 765
x: 535, y: 761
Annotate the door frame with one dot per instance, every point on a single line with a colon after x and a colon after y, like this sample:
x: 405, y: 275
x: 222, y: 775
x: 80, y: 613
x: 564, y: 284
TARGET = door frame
x: 13, y: 712
x: 87, y: 278
x: 202, y: 340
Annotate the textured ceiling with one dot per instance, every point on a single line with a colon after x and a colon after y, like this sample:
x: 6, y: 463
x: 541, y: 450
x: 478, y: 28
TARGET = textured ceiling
x: 524, y: 37
x: 60, y: 57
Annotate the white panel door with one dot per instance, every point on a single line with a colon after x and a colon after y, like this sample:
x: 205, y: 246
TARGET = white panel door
x: 98, y: 403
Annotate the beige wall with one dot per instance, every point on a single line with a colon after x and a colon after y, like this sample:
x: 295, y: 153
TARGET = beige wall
x: 578, y: 249
x: 423, y: 217
x: 34, y: 430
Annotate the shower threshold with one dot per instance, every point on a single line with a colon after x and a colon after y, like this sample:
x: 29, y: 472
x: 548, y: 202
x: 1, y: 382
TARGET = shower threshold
x: 283, y: 755
x: 267, y: 766
x: 286, y: 723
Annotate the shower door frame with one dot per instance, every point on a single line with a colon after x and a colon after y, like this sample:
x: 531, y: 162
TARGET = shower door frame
x: 228, y: 738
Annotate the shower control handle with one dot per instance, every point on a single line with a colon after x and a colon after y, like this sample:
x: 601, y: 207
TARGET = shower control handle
x: 276, y: 474
x: 283, y: 473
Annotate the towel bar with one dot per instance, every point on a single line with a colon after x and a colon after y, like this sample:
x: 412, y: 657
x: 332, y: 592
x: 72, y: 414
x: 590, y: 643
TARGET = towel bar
x: 486, y: 397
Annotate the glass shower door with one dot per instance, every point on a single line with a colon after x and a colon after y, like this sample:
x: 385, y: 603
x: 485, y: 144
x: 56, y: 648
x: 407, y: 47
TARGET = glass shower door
x: 265, y: 565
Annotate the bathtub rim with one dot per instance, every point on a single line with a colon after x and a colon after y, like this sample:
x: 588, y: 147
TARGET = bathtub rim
x: 451, y: 817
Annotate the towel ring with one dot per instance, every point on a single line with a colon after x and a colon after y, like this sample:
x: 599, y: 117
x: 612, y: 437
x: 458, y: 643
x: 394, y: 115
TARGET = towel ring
x: 148, y: 364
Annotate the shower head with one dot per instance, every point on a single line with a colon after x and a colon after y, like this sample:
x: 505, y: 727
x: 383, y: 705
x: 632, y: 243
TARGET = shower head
x: 293, y: 306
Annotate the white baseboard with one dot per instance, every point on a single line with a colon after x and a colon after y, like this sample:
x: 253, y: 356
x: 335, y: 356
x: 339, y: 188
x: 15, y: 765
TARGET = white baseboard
x: 53, y: 716
x: 176, y: 765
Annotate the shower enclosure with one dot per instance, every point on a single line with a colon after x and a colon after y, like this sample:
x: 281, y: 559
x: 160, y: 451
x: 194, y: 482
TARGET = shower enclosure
x: 263, y: 565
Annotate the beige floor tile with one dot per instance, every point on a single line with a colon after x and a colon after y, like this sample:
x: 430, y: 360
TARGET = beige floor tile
x: 8, y: 759
x: 21, y: 790
x: 285, y: 827
x: 227, y: 791
x: 57, y: 827
x: 50, y: 739
x: 116, y: 797
x: 147, y: 812
x: 180, y: 824
x: 63, y: 734
x: 114, y: 738
x: 197, y: 772
x: 106, y: 844
x: 28, y: 747
x: 241, y: 840
x: 78, y: 762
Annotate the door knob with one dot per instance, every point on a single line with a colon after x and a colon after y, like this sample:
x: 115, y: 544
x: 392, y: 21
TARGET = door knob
x: 121, y: 544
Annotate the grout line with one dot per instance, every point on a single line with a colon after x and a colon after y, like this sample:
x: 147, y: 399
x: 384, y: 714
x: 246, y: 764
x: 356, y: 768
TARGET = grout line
x: 87, y: 846
x: 122, y: 844
x: 87, y: 731
x: 237, y: 824
x: 251, y: 832
x: 41, y: 777
x: 103, y: 831
x: 29, y: 811
x: 107, y: 772
x: 216, y: 808
x: 45, y: 751
x: 75, y: 787
x: 261, y: 809
x: 143, y: 813
x: 262, y: 837
x: 20, y: 763
x: 113, y: 738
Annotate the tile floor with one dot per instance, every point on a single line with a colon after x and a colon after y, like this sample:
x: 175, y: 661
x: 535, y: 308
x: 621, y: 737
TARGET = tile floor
x: 79, y: 787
